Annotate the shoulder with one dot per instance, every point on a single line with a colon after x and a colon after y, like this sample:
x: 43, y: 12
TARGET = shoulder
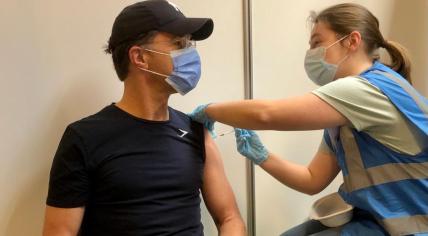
x: 184, y: 119
x: 353, y: 92
x: 178, y: 114
x: 94, y: 123
x: 348, y: 87
x: 362, y: 103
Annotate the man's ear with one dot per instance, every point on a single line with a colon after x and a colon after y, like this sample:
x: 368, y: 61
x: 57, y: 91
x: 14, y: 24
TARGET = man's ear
x: 137, y: 57
x: 354, y: 41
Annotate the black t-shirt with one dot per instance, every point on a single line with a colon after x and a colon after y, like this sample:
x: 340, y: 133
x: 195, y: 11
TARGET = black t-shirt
x: 134, y: 177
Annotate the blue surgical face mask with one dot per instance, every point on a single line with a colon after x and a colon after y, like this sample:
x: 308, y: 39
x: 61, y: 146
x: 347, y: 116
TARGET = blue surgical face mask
x: 317, y: 69
x: 186, y: 69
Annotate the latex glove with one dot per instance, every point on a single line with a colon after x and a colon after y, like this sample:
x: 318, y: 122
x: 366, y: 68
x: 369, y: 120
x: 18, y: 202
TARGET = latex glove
x: 250, y: 146
x: 200, y: 116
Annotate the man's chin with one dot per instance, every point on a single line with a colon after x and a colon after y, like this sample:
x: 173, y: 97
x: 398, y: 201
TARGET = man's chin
x: 171, y: 90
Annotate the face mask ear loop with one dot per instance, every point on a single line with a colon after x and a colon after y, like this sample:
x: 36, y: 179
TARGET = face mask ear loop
x: 345, y: 57
x: 337, y: 41
x: 341, y: 61
x: 151, y: 50
x: 150, y: 71
x: 156, y: 73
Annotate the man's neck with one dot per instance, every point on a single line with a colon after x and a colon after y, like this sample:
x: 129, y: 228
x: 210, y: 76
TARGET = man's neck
x: 143, y: 101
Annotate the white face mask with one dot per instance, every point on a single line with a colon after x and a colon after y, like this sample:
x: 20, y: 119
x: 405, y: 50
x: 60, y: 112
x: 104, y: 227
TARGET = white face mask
x: 318, y: 70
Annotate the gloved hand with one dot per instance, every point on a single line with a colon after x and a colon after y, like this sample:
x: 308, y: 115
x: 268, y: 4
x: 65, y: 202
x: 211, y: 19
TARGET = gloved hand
x: 250, y: 146
x: 200, y: 116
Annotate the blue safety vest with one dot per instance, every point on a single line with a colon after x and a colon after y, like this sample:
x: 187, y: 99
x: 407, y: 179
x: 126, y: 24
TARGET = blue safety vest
x: 391, y: 186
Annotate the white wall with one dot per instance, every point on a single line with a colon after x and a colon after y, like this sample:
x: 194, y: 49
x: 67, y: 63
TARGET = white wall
x: 409, y: 26
x: 53, y: 72
x: 281, y: 35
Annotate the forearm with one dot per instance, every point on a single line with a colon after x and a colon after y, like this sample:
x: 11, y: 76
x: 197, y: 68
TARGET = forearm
x: 248, y: 114
x: 296, y: 113
x: 295, y: 176
x: 232, y: 226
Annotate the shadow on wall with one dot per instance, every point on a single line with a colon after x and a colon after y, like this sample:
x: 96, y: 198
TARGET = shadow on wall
x: 29, y: 204
x: 409, y: 27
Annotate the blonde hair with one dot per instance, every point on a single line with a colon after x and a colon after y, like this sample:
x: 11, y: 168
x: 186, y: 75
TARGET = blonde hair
x: 348, y: 17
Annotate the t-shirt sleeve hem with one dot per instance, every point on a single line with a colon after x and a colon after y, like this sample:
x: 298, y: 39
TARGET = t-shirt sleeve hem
x: 61, y: 204
x: 340, y: 109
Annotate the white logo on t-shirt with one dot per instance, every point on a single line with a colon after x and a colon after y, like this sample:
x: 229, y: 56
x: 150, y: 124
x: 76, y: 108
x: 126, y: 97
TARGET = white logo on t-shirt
x: 183, y: 133
x: 175, y: 6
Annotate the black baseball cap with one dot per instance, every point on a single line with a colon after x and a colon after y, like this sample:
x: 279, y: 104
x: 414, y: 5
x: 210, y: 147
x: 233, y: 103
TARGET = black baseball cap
x: 161, y: 15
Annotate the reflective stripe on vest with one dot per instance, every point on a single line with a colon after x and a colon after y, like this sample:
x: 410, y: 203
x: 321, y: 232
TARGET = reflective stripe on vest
x: 393, y: 187
x: 367, y: 188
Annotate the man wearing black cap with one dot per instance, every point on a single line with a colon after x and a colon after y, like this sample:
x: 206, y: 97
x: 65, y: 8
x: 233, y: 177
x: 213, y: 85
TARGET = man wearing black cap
x: 137, y: 167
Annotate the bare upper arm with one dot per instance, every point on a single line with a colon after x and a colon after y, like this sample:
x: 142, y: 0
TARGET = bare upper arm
x: 307, y: 112
x: 62, y: 221
x: 216, y: 190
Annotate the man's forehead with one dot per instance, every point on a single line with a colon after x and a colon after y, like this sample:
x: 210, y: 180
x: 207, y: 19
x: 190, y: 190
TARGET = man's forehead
x: 162, y: 36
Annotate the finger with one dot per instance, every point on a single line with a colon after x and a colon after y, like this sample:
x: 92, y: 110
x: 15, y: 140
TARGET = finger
x: 238, y: 132
x: 246, y: 133
x: 252, y: 133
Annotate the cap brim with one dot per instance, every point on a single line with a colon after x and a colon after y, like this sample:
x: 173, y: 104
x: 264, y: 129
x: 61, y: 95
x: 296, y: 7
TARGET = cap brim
x: 199, y: 28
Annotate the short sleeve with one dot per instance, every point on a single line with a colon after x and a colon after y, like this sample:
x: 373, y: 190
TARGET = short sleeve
x: 69, y: 179
x: 363, y: 104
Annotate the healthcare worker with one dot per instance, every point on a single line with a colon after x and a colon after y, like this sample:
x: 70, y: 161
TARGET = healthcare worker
x: 375, y: 126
